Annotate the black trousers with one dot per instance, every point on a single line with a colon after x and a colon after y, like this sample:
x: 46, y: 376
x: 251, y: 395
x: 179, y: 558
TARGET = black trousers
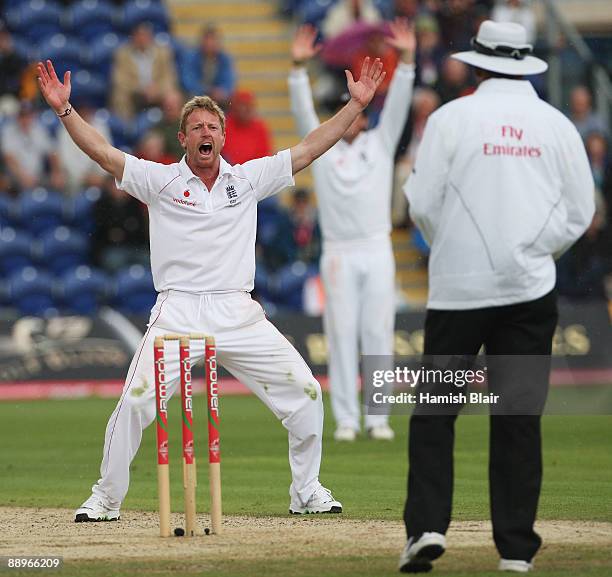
x: 515, y: 452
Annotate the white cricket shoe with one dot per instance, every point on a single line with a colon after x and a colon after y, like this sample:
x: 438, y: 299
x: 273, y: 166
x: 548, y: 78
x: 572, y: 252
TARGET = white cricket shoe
x: 515, y: 565
x: 95, y: 509
x: 381, y: 433
x: 345, y: 434
x: 322, y: 501
x: 418, y: 555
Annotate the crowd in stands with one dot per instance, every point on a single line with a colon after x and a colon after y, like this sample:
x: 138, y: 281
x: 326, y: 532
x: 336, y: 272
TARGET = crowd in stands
x: 130, y: 78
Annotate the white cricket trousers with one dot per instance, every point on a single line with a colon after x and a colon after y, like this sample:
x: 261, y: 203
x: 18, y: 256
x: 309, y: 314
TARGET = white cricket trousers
x: 359, y: 283
x: 252, y: 350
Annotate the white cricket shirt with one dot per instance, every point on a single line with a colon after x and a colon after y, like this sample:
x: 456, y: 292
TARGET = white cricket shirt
x: 204, y: 241
x: 353, y: 182
x: 500, y: 185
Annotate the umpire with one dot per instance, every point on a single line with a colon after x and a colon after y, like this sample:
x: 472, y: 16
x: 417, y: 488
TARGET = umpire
x: 501, y: 187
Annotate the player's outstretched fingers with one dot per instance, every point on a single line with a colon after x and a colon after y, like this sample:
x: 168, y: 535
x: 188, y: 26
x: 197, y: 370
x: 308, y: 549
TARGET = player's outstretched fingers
x: 365, y: 67
x: 51, y: 69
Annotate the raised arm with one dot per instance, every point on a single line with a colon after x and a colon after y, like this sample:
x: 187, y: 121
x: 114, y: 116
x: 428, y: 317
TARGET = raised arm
x: 303, y: 48
x: 85, y: 136
x: 397, y: 103
x: 322, y: 138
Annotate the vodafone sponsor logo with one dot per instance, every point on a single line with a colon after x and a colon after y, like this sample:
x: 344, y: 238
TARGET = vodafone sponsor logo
x: 184, y: 202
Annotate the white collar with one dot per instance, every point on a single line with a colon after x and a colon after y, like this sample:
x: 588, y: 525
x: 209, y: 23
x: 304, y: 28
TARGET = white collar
x: 187, y: 173
x: 507, y: 85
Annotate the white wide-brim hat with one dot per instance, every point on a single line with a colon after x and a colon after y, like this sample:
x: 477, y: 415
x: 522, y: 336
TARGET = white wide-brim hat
x: 502, y: 47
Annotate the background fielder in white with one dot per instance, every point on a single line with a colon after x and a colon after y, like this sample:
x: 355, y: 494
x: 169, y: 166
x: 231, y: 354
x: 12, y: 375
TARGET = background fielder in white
x: 353, y: 183
x: 202, y: 220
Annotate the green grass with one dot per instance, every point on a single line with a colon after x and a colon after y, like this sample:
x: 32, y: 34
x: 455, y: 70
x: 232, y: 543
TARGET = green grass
x: 51, y: 452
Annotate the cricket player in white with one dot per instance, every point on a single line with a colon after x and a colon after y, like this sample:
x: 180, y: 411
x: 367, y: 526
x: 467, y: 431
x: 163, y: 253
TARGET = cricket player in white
x: 203, y: 215
x: 353, y: 183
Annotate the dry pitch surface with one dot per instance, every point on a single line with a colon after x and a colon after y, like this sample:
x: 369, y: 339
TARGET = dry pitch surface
x: 53, y: 532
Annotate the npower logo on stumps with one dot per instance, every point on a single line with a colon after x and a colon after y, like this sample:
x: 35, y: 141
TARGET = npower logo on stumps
x: 162, y: 388
x: 213, y: 402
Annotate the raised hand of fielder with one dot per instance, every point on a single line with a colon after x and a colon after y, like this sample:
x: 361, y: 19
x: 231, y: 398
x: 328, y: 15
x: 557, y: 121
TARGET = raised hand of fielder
x: 304, y: 45
x: 403, y: 38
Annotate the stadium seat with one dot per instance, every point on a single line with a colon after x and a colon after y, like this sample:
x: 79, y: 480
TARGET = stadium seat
x: 79, y: 210
x: 35, y: 20
x: 67, y: 53
x: 100, y: 55
x: 314, y: 12
x: 182, y: 53
x: 122, y: 132
x: 7, y: 210
x: 24, y: 48
x: 286, y: 286
x: 39, y: 210
x: 50, y: 121
x: 136, y: 11
x: 82, y: 290
x: 62, y: 249
x: 89, y: 19
x: 31, y: 292
x: 15, y: 250
x: 134, y: 290
x: 145, y: 121
x: 89, y: 87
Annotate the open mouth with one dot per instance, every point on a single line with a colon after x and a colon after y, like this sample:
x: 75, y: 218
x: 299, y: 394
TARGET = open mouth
x: 205, y: 149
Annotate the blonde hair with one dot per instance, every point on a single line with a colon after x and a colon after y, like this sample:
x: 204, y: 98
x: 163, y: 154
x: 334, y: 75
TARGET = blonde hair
x: 204, y: 103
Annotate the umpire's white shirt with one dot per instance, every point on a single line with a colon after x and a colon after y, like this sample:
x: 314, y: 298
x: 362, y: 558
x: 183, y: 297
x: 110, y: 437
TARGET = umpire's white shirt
x: 204, y: 241
x: 353, y: 181
x: 501, y: 183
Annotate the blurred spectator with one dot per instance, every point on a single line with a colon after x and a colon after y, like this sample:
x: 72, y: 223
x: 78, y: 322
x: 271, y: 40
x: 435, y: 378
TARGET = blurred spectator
x: 458, y: 20
x: 347, y: 12
x: 151, y: 147
x: 377, y: 47
x: 597, y: 150
x: 406, y: 9
x: 454, y: 81
x: 582, y: 115
x: 424, y: 102
x: 27, y: 147
x: 168, y: 126
x: 519, y: 12
x: 210, y: 70
x: 121, y: 231
x: 305, y: 230
x: 246, y: 135
x: 143, y: 71
x: 582, y: 270
x: 430, y: 53
x: 12, y: 68
x: 80, y: 170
